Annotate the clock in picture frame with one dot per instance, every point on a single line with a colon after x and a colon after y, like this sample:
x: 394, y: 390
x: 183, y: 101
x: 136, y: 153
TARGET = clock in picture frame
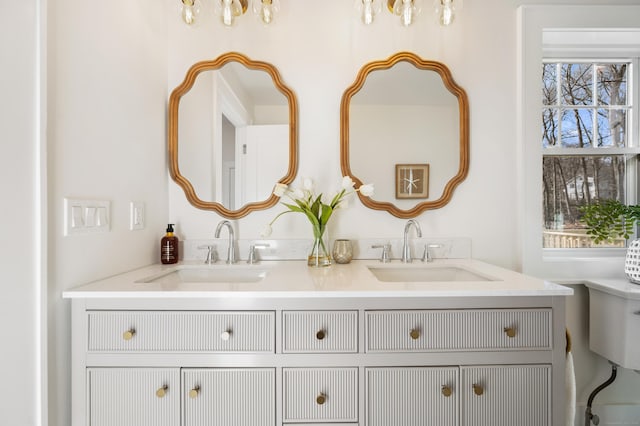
x: 412, y: 181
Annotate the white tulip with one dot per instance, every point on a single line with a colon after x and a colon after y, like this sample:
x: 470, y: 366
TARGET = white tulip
x: 366, y: 189
x: 280, y: 189
x: 266, y: 231
x: 347, y: 182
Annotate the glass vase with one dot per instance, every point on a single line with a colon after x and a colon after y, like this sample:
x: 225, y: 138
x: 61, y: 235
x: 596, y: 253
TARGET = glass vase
x: 319, y: 255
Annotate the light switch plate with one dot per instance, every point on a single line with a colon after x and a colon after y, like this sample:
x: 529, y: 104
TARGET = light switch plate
x: 86, y: 216
x: 136, y: 215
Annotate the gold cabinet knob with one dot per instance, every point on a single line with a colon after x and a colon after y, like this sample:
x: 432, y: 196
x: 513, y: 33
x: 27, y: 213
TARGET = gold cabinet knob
x: 321, y: 334
x: 510, y: 331
x: 193, y: 393
x: 415, y: 334
x: 160, y: 393
x: 478, y: 389
x: 225, y: 335
x: 321, y: 399
x: 128, y: 335
x: 446, y: 391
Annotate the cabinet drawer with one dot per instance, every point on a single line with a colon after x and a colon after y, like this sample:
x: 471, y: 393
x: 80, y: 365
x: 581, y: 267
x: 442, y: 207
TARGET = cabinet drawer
x: 458, y: 330
x: 319, y: 331
x: 320, y: 394
x: 167, y: 331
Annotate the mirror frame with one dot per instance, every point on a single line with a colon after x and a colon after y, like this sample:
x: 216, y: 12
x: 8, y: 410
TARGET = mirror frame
x: 463, y: 107
x: 174, y: 103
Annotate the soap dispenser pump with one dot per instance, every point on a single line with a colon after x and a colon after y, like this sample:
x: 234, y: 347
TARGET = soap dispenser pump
x: 169, y: 247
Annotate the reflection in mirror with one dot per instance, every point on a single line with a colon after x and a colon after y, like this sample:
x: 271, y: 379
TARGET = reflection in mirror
x: 404, y: 125
x: 232, y: 134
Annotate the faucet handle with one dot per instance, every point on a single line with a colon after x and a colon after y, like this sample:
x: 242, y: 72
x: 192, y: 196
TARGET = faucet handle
x: 386, y: 250
x: 211, y: 254
x: 251, y: 259
x: 426, y: 255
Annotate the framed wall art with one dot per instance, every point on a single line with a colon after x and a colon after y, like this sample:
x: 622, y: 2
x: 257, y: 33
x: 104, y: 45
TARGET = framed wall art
x: 412, y: 181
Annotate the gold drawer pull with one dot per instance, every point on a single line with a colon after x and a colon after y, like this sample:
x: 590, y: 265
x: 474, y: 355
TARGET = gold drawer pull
x: 415, y: 334
x: 160, y: 393
x: 510, y: 331
x: 446, y: 391
x: 225, y: 335
x: 478, y: 389
x: 193, y: 393
x: 321, y: 334
x: 128, y: 335
x: 321, y: 399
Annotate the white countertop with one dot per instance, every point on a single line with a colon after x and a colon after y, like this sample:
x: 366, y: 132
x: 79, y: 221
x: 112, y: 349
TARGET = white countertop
x: 621, y: 287
x: 296, y: 279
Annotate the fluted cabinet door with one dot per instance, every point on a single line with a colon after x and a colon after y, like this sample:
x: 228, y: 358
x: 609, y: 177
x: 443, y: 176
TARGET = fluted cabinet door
x: 412, y: 396
x: 134, y: 396
x: 506, y: 395
x: 229, y: 397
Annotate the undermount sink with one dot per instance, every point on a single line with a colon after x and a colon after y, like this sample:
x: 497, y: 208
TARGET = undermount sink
x: 410, y: 273
x: 209, y: 274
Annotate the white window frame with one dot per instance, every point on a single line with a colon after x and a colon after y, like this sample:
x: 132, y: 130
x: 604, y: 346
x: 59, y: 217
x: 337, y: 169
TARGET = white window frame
x: 548, y: 31
x: 630, y: 152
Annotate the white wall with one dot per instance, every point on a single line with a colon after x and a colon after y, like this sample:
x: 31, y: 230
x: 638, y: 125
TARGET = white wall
x: 20, y: 255
x: 107, y: 141
x: 319, y: 51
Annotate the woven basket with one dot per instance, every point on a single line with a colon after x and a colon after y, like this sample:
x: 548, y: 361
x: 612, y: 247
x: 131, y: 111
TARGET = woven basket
x: 632, y: 262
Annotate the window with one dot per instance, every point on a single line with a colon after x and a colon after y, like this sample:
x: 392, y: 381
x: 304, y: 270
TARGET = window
x: 586, y: 141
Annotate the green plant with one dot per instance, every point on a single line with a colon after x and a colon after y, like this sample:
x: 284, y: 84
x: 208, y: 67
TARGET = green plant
x: 610, y: 219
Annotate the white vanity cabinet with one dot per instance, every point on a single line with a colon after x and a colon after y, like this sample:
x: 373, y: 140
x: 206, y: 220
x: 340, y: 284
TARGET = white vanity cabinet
x: 275, y: 355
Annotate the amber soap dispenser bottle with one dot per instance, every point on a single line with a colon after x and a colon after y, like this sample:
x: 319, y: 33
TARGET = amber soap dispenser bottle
x: 169, y: 247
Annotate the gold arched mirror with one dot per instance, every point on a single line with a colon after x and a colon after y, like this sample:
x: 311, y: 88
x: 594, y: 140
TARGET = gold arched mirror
x: 232, y: 135
x: 404, y: 125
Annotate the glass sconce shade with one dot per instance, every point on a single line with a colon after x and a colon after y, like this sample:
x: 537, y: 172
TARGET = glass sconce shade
x: 368, y: 9
x: 407, y: 10
x: 446, y: 11
x: 228, y: 10
x: 189, y: 11
x: 266, y: 9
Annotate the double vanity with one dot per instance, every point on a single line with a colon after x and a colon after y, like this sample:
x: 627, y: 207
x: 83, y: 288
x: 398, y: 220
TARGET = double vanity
x: 450, y: 342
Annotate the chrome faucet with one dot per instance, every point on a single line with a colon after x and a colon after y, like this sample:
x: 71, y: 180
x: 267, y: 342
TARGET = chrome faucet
x: 231, y: 251
x: 406, y: 248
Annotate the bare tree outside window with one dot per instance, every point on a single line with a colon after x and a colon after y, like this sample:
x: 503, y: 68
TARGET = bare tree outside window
x: 584, y: 119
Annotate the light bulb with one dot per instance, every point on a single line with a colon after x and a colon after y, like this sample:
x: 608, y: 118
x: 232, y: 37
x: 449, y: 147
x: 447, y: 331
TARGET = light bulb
x: 447, y: 12
x: 189, y: 10
x: 407, y: 10
x: 368, y: 9
x: 228, y: 10
x: 266, y: 10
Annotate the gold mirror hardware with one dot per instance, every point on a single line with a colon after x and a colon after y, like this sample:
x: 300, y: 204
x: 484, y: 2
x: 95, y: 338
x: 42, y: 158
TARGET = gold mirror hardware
x: 206, y: 202
x: 321, y: 399
x: 415, y: 334
x: 225, y: 335
x: 478, y: 389
x: 160, y: 393
x: 457, y: 147
x: 510, y: 332
x: 128, y: 335
x: 193, y: 393
x: 321, y: 334
x: 446, y: 391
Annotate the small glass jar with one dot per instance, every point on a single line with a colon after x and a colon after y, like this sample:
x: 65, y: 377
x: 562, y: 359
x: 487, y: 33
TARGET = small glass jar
x: 342, y: 251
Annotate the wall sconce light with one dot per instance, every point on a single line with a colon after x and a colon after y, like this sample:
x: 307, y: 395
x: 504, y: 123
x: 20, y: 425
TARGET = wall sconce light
x: 368, y: 9
x: 266, y: 9
x: 446, y: 11
x: 229, y: 10
x: 189, y: 11
x: 407, y: 10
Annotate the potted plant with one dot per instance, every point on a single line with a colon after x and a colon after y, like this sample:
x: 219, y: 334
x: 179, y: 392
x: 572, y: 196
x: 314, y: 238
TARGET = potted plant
x: 611, y: 219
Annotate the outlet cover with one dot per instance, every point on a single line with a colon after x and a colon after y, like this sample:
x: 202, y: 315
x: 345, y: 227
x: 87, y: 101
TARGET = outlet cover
x: 136, y: 215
